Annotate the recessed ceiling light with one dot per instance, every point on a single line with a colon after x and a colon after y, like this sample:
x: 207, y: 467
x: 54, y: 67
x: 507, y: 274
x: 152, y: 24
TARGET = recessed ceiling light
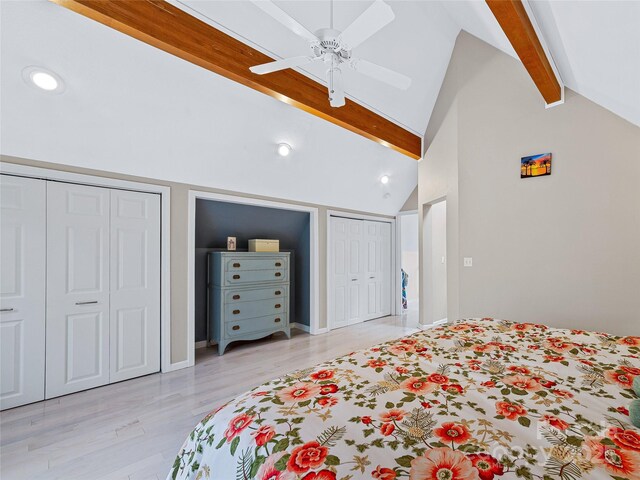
x: 384, y: 179
x: 284, y: 149
x: 43, y: 79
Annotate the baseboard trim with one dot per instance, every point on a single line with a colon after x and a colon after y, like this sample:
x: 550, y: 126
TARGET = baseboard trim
x: 301, y: 326
x: 441, y: 321
x: 320, y: 331
x: 202, y: 344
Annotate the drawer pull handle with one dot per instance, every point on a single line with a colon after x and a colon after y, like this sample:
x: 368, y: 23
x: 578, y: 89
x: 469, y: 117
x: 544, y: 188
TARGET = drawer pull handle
x: 278, y: 292
x: 278, y: 264
x: 278, y: 274
x: 277, y: 320
x: 236, y: 327
x: 236, y: 297
x: 278, y: 305
x: 236, y: 265
x: 6, y: 309
x: 236, y: 312
x: 236, y: 277
x: 87, y: 303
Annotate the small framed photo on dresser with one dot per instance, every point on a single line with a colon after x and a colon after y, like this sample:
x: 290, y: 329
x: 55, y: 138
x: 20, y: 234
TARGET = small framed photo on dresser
x: 231, y: 243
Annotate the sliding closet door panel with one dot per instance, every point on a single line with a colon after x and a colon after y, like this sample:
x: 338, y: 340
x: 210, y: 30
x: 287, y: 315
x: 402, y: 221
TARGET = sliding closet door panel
x: 22, y: 290
x: 135, y: 284
x: 339, y: 269
x: 357, y: 259
x: 384, y: 268
x: 77, y: 337
x: 372, y: 271
x: 378, y: 274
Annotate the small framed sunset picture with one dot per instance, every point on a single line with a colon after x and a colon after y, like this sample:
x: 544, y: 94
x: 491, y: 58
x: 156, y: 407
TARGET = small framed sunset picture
x: 535, y: 165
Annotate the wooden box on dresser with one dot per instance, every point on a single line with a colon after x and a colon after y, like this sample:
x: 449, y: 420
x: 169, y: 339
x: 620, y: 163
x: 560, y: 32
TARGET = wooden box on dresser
x: 248, y: 296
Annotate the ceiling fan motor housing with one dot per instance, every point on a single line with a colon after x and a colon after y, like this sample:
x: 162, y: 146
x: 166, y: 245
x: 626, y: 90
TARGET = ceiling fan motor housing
x: 330, y: 44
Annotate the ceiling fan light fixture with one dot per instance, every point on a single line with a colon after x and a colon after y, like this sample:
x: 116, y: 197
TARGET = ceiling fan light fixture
x: 43, y: 79
x: 284, y: 149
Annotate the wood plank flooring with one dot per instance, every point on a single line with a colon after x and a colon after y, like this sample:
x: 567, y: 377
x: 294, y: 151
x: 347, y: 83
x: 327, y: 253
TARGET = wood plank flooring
x: 132, y: 430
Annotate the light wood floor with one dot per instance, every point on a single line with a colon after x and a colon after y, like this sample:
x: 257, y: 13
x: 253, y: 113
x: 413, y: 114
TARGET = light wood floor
x: 133, y: 429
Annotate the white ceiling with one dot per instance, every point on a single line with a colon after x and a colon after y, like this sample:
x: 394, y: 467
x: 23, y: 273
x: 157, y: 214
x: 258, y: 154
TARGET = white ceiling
x: 594, y: 44
x: 133, y: 109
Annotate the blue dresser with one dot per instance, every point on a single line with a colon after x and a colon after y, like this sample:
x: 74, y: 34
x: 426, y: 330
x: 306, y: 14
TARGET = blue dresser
x: 248, y: 296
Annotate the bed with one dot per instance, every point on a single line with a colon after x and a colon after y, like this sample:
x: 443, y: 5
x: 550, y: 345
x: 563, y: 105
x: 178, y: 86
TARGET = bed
x: 474, y: 400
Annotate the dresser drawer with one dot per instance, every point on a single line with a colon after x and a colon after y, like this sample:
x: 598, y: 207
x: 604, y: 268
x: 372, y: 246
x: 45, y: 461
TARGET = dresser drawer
x: 254, y: 325
x: 261, y: 263
x: 253, y: 276
x: 257, y: 308
x: 250, y: 295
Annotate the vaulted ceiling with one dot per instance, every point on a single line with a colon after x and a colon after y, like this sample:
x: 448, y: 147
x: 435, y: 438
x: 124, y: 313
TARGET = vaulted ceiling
x: 131, y: 108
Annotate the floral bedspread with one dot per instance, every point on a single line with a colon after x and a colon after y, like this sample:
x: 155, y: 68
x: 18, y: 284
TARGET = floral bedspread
x: 478, y: 399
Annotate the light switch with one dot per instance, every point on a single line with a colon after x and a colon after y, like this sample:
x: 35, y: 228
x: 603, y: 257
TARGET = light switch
x: 468, y: 262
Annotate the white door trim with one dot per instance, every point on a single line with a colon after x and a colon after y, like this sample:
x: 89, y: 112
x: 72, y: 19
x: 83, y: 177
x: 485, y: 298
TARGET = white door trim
x: 165, y: 236
x: 314, y: 304
x: 394, y: 278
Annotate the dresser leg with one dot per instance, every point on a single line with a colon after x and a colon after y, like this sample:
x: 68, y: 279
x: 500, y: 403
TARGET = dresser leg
x: 222, y: 346
x: 287, y: 332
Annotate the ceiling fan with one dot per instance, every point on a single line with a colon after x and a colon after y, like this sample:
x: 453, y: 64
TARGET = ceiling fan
x: 334, y: 47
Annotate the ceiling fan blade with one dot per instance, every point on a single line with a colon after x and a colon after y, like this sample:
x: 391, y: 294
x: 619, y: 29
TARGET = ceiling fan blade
x: 336, y: 90
x: 281, y: 64
x: 380, y: 73
x: 285, y: 19
x: 372, y: 19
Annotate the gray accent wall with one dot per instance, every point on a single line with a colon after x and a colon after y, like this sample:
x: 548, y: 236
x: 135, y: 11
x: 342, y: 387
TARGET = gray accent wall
x: 560, y: 249
x: 216, y: 220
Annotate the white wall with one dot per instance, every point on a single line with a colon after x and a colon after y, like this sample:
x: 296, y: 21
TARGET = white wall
x: 434, y: 270
x: 561, y: 249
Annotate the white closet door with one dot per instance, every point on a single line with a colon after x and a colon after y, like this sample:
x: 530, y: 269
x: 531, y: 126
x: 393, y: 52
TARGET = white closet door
x: 372, y: 268
x: 135, y: 285
x: 356, y: 266
x: 22, y: 290
x: 77, y: 288
x: 384, y: 271
x: 378, y: 268
x: 339, y: 261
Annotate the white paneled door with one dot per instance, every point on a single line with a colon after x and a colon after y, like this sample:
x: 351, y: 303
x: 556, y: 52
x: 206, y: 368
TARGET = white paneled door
x: 135, y: 285
x: 360, y: 270
x: 22, y: 290
x: 77, y: 288
x: 103, y: 286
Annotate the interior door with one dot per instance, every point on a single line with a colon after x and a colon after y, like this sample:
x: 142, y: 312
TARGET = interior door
x: 77, y: 336
x: 339, y: 261
x: 135, y: 285
x: 384, y: 268
x: 356, y: 265
x: 372, y: 268
x: 378, y: 268
x: 22, y: 290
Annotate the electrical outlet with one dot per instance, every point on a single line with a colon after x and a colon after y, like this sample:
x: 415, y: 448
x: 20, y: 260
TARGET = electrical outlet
x: 468, y: 262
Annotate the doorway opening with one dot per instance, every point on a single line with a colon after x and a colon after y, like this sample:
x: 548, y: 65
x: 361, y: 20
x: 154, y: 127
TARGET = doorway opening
x: 409, y: 264
x: 434, y: 263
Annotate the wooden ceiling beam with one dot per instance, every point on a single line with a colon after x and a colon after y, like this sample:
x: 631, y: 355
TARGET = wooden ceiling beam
x: 164, y: 26
x: 516, y: 24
